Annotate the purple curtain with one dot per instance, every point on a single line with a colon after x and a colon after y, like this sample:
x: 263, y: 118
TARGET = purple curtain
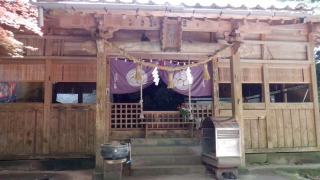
x: 123, y: 78
x: 199, y: 86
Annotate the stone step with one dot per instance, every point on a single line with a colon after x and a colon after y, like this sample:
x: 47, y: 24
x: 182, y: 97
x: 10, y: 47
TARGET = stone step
x: 166, y: 142
x: 166, y: 150
x: 156, y: 160
x: 168, y: 170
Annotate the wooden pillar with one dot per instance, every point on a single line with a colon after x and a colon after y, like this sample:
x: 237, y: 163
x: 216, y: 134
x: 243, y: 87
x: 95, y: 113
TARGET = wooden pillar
x: 108, y: 114
x: 284, y: 93
x: 313, y: 86
x: 215, y: 88
x: 47, y: 97
x: 236, y: 95
x: 266, y: 98
x: 47, y: 107
x: 101, y: 109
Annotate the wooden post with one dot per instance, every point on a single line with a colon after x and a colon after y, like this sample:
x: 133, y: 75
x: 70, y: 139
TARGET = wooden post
x: 215, y: 88
x: 47, y: 107
x: 101, y: 109
x: 47, y: 97
x: 108, y: 114
x: 266, y: 98
x: 314, y: 86
x: 236, y: 96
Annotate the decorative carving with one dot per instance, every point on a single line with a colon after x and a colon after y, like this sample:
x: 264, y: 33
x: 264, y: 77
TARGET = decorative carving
x: 100, y: 45
x: 171, y: 35
x: 316, y: 40
x: 106, y: 33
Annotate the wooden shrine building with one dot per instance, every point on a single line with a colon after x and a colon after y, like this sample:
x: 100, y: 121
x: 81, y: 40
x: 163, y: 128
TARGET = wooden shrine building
x: 260, y: 63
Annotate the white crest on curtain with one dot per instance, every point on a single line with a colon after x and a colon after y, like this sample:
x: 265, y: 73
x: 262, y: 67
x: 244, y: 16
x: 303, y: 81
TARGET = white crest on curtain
x: 181, y: 81
x: 131, y: 78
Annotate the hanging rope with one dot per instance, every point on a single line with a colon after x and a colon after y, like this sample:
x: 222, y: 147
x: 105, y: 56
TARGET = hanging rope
x: 206, y: 75
x: 170, y: 83
x: 190, y: 105
x: 167, y: 68
x: 141, y: 97
x: 138, y: 73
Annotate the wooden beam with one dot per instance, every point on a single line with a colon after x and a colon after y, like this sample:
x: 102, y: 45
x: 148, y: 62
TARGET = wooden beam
x: 100, y: 104
x: 313, y: 84
x: 154, y: 47
x: 236, y: 96
x: 78, y: 58
x: 161, y: 13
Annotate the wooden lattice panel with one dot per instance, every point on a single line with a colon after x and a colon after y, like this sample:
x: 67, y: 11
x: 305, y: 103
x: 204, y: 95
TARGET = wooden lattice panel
x: 22, y: 72
x: 201, y: 110
x: 125, y: 116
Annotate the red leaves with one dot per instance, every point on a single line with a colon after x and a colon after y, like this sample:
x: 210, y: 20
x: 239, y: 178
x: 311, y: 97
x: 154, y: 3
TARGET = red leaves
x: 18, y: 14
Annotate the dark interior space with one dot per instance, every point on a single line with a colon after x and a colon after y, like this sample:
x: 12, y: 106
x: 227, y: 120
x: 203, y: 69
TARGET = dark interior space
x: 155, y: 98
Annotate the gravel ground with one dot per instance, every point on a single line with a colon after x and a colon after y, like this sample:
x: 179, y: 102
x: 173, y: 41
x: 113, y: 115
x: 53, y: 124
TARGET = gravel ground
x: 252, y: 172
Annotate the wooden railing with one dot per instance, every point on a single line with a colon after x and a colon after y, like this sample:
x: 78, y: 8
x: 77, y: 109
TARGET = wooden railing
x: 126, y: 116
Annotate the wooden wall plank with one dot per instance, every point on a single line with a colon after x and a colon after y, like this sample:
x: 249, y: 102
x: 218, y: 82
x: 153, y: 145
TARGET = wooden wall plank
x: 3, y: 132
x: 273, y: 133
x: 247, y: 135
x: 74, y: 72
x: 20, y: 132
x: 255, y: 133
x: 63, y: 130
x: 263, y: 143
x: 296, y: 128
x: 39, y: 132
x: 303, y: 128
x: 311, y: 126
x: 54, y: 132
x: 280, y: 128
x: 252, y: 75
x: 72, y: 124
x: 287, y: 128
x: 12, y: 135
x: 22, y: 72
x: 29, y: 132
x: 287, y: 75
x: 81, y: 131
x: 91, y: 131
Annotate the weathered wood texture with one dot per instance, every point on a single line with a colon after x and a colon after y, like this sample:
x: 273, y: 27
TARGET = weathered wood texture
x: 276, y: 75
x: 21, y: 129
x: 71, y: 130
x: 74, y: 72
x: 22, y: 72
x: 292, y: 126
